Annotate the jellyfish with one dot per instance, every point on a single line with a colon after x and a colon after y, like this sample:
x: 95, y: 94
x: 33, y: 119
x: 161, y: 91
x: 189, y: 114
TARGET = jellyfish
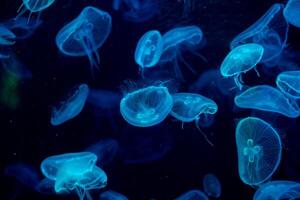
x: 267, y: 98
x: 7, y: 37
x: 289, y: 83
x: 45, y: 186
x: 259, y: 150
x: 240, y: 60
x: 112, y: 195
x: 148, y: 50
x: 193, y: 194
x: 178, y: 40
x: 270, y: 31
x: 147, y: 106
x: 71, y: 107
x: 85, y: 34
x: 291, y: 12
x: 188, y: 107
x: 212, y: 185
x: 276, y: 190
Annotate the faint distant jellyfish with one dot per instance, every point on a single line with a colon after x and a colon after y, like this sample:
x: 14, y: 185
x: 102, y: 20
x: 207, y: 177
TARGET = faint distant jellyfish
x: 212, y: 185
x: 240, y: 60
x: 146, y: 106
x: 289, y: 83
x: 270, y: 31
x: 259, y: 150
x: 85, y: 34
x: 112, y: 195
x: 71, y: 107
x: 291, y: 12
x: 188, y: 107
x: 267, y: 98
x: 193, y: 195
x: 7, y: 38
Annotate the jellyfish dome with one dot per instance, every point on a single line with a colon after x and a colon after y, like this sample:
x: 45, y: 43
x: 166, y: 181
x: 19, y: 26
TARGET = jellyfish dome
x: 212, y: 185
x: 85, y: 34
x: 240, y: 60
x: 289, y: 83
x: 267, y: 98
x: 259, y: 150
x: 291, y: 12
x: 193, y: 194
x: 146, y: 106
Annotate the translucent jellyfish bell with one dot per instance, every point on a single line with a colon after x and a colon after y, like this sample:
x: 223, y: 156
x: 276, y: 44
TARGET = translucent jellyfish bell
x: 289, y: 83
x: 240, y: 60
x: 146, y: 106
x: 85, y: 34
x: 291, y: 12
x: 193, y: 194
x: 267, y: 98
x: 212, y: 185
x: 259, y: 150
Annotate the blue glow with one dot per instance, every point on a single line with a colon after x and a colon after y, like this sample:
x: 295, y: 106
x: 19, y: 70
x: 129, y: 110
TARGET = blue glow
x: 291, y: 12
x: 45, y: 186
x: 193, y: 194
x: 259, y: 150
x: 289, y: 83
x: 212, y: 185
x: 7, y: 37
x: 112, y: 195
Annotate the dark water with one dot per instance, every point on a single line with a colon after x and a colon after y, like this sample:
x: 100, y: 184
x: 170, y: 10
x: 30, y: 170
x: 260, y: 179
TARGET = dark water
x: 28, y: 137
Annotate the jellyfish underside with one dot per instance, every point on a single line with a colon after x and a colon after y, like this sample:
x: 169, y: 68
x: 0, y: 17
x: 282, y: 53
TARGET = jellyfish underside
x: 251, y: 151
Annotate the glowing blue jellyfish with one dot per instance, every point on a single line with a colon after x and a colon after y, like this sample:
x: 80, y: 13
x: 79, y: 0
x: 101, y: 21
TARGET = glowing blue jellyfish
x: 276, y: 190
x: 291, y: 12
x: 7, y: 37
x: 240, y: 60
x: 259, y: 150
x: 267, y: 98
x: 178, y: 40
x: 212, y: 185
x: 112, y: 195
x: 148, y: 49
x: 71, y: 107
x: 85, y: 34
x: 193, y: 194
x: 270, y: 31
x: 289, y: 83
x: 188, y: 107
x: 146, y: 106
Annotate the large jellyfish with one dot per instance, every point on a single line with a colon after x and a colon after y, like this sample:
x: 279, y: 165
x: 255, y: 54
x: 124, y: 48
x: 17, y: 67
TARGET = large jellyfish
x: 146, y: 106
x: 112, y: 195
x: 85, y: 34
x: 270, y: 31
x: 267, y: 98
x: 71, y: 107
x: 188, y: 107
x: 276, y: 190
x: 240, y: 60
x: 193, y: 194
x: 212, y: 185
x: 289, y: 83
x: 259, y: 150
x: 291, y: 12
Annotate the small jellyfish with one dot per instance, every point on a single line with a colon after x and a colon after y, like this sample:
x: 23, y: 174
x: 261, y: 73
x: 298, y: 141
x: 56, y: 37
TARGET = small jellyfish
x: 277, y: 190
x: 193, y: 195
x: 291, y: 12
x: 259, y: 150
x: 267, y: 98
x: 148, y: 50
x: 212, y: 185
x: 7, y: 37
x: 71, y: 107
x: 240, y: 60
x: 289, y: 83
x: 146, y: 106
x: 85, y: 34
x: 112, y: 195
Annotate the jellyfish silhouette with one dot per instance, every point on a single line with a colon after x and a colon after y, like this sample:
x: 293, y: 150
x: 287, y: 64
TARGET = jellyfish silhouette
x: 188, y: 107
x: 112, y: 195
x: 291, y: 12
x: 240, y: 60
x: 212, y: 185
x: 71, y: 107
x: 270, y: 31
x: 193, y: 194
x: 289, y: 83
x: 276, y: 190
x: 85, y: 34
x: 267, y: 98
x: 259, y: 150
x: 147, y: 106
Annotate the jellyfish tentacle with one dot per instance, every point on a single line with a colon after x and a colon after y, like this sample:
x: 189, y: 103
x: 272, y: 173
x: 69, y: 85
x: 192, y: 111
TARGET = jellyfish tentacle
x: 204, y: 135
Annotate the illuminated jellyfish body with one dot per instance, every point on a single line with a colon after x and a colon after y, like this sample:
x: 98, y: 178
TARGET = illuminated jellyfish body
x: 259, y: 150
x: 267, y: 98
x: 240, y: 60
x: 193, y: 195
x: 7, y: 38
x: 188, y: 107
x: 270, y: 31
x: 146, y: 106
x: 34, y: 6
x: 85, y: 34
x: 71, y: 107
x: 148, y: 50
x: 178, y: 40
x: 291, y: 12
x: 112, y: 195
x: 289, y: 83
x: 277, y: 190
x: 212, y: 185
